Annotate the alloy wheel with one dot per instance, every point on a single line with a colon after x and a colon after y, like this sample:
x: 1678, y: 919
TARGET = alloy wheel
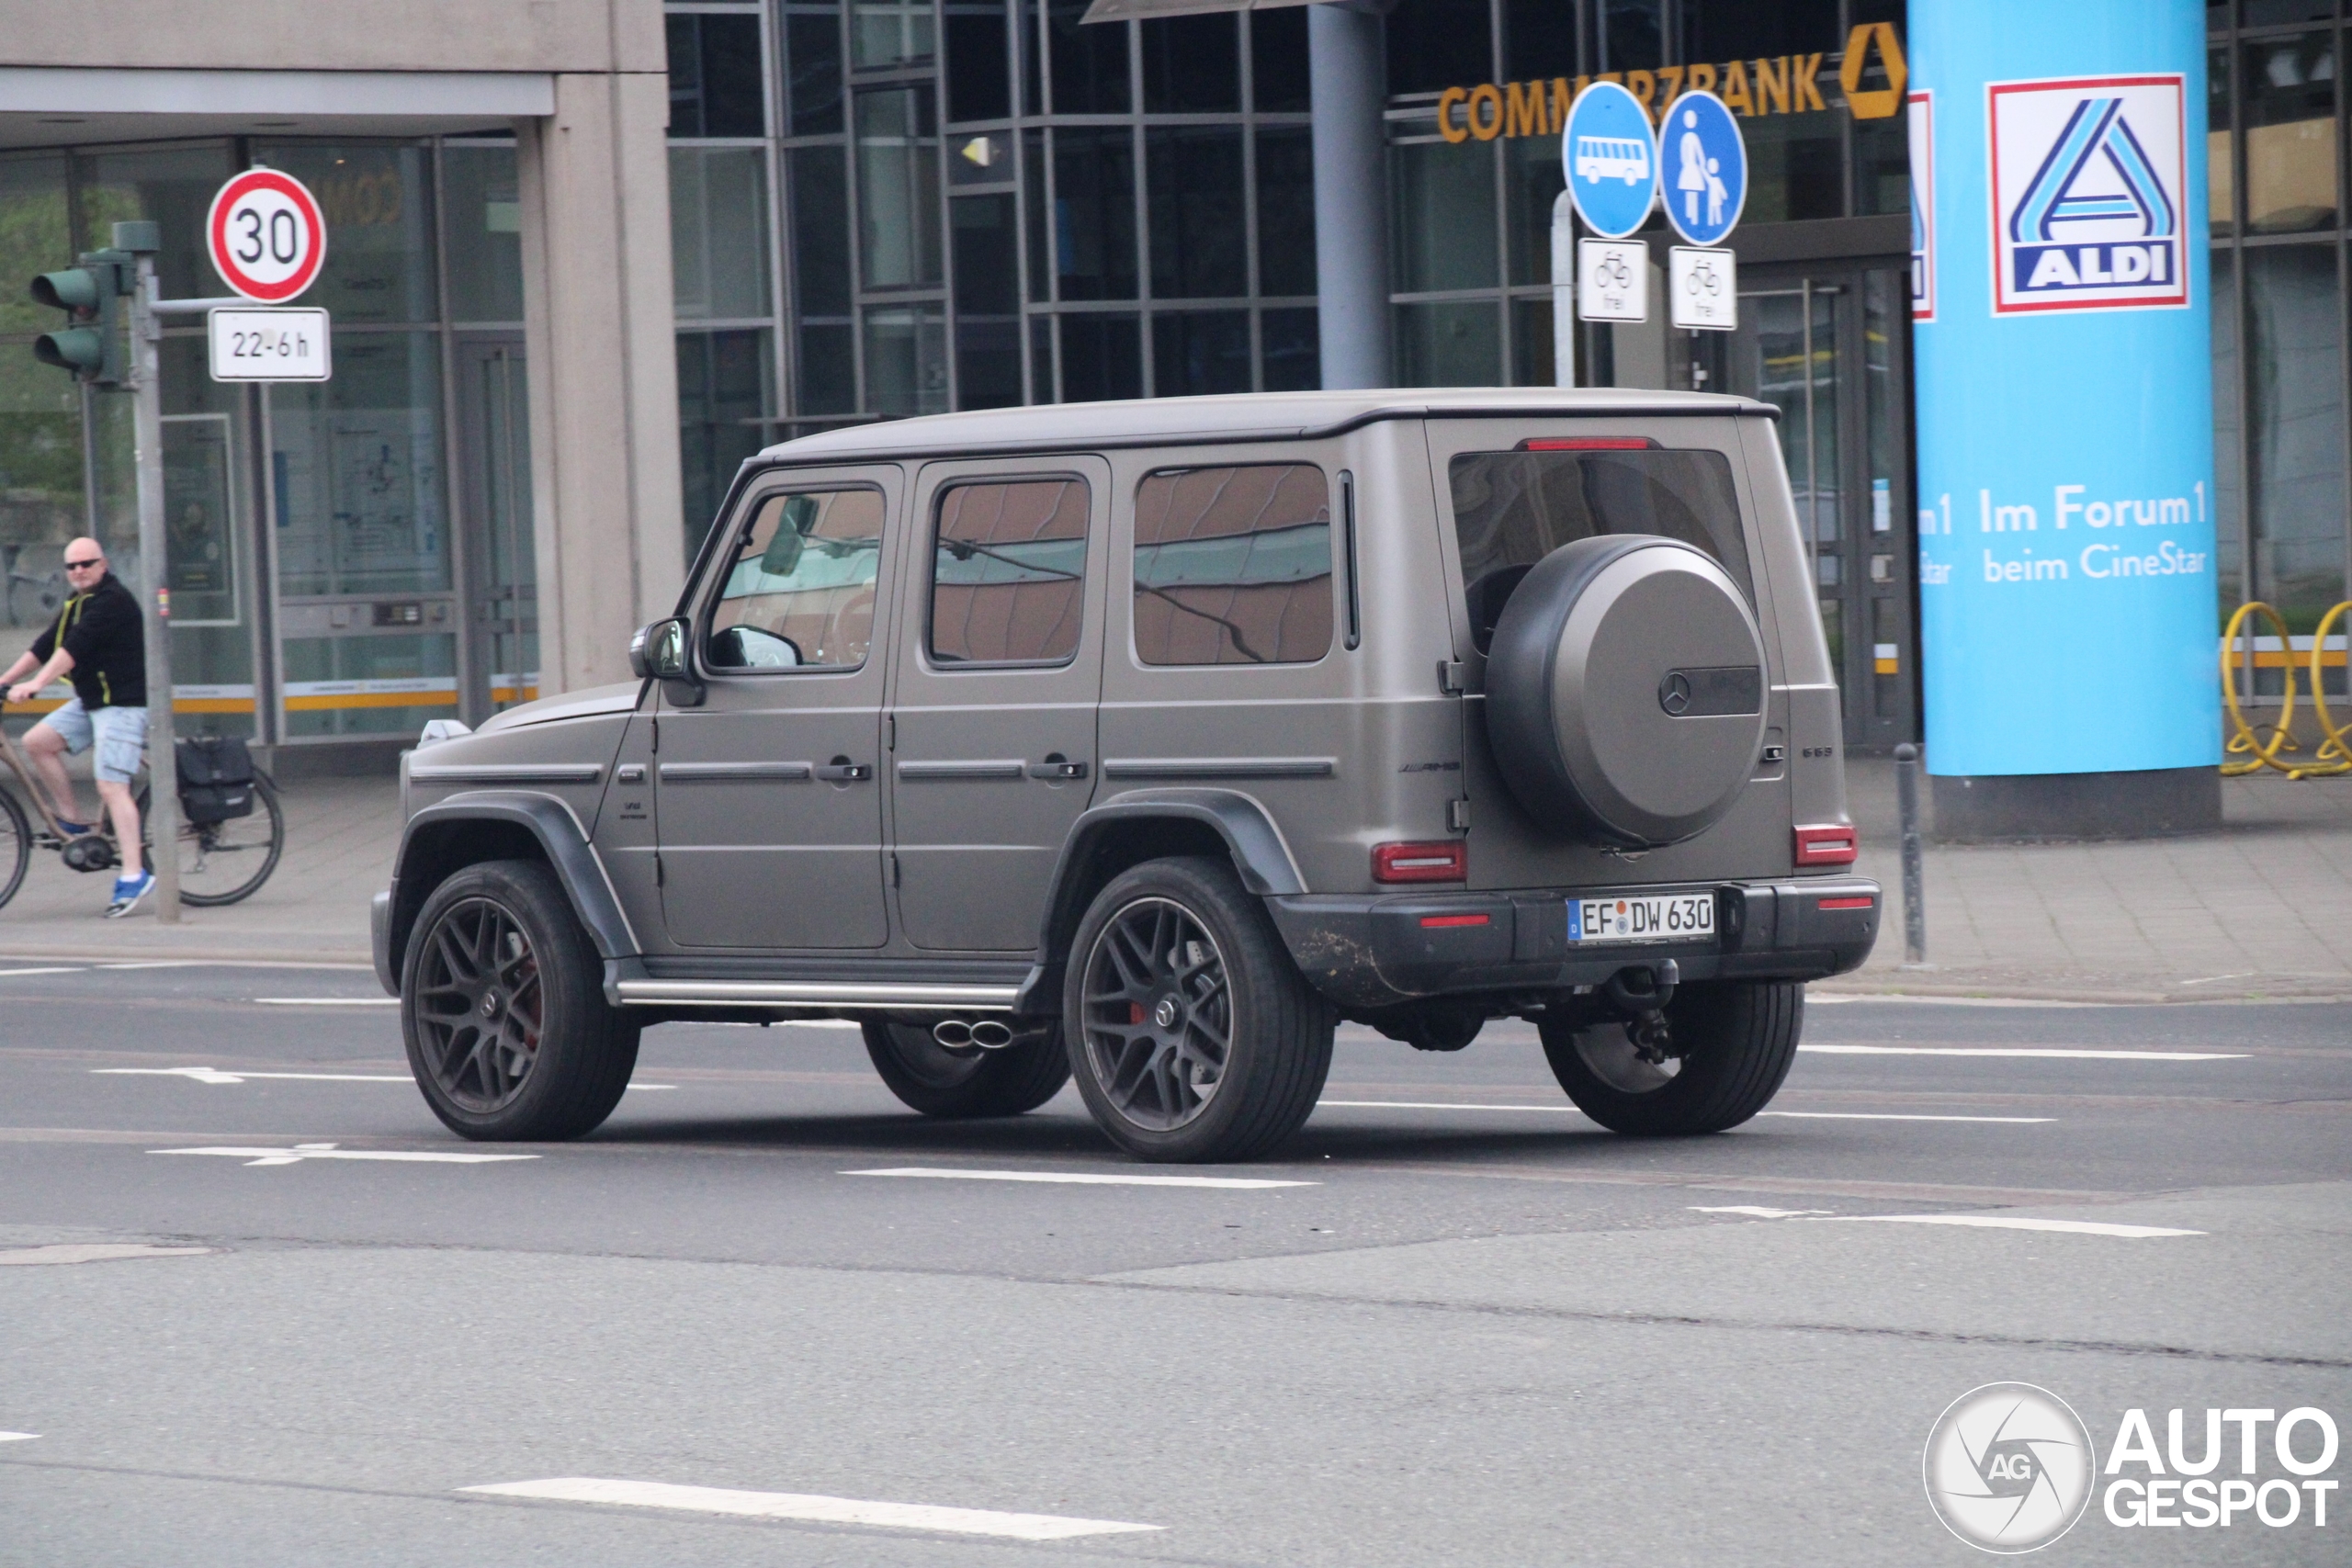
x: 479, y: 1004
x: 1159, y: 1014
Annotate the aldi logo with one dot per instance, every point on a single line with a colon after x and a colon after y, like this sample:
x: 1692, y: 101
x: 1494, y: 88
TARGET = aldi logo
x: 2090, y: 183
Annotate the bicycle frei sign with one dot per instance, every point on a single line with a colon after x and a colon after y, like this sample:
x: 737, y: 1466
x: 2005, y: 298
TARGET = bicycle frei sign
x: 267, y: 239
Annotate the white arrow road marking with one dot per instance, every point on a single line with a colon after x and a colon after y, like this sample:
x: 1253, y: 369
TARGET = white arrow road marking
x: 17, y: 1437
x: 812, y: 1509
x: 1756, y: 1210
x: 1083, y: 1178
x: 2053, y: 1051
x: 91, y: 1252
x: 2013, y: 1223
x: 301, y: 1152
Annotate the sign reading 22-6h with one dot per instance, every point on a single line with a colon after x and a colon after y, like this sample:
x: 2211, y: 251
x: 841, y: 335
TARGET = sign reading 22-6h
x: 2090, y: 186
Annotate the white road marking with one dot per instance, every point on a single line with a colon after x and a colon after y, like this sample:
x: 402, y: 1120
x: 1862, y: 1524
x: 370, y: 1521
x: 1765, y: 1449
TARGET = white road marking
x: 1083, y: 1178
x: 222, y: 1075
x: 329, y: 1001
x: 1877, y: 1116
x: 17, y: 1437
x: 5, y: 974
x: 156, y: 964
x: 811, y: 1509
x: 2016, y: 1222
x: 2053, y: 1051
x: 301, y: 1152
x: 1756, y: 1210
x: 90, y: 1252
x: 1439, y: 1105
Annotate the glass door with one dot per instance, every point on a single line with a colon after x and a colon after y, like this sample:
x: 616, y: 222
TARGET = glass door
x: 503, y: 624
x: 1828, y: 348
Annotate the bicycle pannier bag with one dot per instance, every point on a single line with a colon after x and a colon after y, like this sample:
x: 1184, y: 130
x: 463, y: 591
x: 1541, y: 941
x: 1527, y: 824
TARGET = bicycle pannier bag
x: 216, y: 779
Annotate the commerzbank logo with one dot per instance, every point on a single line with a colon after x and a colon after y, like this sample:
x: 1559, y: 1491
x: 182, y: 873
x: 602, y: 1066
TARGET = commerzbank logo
x: 2090, y: 181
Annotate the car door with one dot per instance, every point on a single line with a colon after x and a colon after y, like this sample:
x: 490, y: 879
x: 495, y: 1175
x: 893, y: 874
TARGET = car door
x: 767, y: 799
x: 994, y: 694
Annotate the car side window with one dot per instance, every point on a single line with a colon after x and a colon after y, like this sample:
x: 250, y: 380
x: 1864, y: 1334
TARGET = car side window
x: 1233, y: 565
x: 800, y: 593
x: 1008, y: 571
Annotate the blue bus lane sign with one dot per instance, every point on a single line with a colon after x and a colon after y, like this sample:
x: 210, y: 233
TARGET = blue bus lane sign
x: 1610, y: 159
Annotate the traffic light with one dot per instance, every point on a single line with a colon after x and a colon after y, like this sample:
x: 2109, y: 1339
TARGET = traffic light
x: 91, y: 344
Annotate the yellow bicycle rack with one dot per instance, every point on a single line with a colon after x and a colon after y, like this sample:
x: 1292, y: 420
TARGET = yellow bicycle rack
x: 2335, y: 753
x: 2254, y: 752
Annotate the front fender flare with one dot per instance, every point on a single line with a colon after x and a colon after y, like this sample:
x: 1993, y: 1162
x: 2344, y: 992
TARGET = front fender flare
x: 560, y: 838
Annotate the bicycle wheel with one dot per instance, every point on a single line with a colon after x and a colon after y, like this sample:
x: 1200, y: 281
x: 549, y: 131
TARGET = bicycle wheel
x: 15, y: 846
x: 223, y: 862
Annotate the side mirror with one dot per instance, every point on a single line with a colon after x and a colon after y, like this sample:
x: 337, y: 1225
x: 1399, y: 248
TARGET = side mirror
x: 658, y: 652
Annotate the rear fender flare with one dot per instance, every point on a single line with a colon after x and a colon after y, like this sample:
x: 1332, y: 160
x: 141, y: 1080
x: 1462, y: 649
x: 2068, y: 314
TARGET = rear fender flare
x: 561, y: 840
x: 1260, y: 857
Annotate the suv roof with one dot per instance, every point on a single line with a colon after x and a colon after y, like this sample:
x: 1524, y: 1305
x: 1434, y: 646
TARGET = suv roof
x: 1247, y: 416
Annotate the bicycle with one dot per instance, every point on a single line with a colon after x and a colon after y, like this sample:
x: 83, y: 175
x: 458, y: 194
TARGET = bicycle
x: 220, y: 863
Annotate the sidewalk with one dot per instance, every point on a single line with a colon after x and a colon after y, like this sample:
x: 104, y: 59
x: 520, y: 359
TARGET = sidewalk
x: 2260, y: 909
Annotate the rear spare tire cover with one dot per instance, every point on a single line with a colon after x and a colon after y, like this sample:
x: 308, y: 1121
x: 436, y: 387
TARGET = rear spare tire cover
x: 1625, y: 691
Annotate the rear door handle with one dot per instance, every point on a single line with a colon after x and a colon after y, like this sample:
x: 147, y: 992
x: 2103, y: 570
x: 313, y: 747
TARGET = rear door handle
x: 1057, y: 766
x: 841, y: 769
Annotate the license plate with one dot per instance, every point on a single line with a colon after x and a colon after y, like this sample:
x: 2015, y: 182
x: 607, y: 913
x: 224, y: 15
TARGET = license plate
x: 1666, y: 917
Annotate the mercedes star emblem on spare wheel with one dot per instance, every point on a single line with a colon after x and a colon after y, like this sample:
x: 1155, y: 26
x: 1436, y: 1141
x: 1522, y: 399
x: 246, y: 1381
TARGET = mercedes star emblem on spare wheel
x: 1674, y: 693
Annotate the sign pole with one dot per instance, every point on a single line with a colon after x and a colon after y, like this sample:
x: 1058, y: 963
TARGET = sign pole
x: 162, y: 822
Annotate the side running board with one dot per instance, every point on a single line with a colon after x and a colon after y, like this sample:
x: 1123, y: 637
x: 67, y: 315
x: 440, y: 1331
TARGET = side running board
x: 814, y: 993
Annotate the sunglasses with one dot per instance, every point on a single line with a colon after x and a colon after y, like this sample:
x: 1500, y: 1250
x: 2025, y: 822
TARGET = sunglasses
x: 85, y: 565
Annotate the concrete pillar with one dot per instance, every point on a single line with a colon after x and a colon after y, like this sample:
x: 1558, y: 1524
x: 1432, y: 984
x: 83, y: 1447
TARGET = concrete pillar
x: 1348, y: 75
x: 600, y: 344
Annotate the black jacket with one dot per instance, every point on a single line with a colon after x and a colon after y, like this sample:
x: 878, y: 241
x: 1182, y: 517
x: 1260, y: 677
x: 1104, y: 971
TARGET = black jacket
x: 101, y: 630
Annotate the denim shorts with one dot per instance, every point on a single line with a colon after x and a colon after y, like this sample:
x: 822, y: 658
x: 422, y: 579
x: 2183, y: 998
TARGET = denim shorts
x: 121, y: 734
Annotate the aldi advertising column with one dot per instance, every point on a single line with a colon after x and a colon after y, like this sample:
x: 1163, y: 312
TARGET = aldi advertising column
x: 2065, y: 417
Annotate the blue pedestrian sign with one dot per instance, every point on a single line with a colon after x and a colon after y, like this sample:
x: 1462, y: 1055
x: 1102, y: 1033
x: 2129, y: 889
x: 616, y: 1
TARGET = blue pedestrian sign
x: 1610, y: 160
x: 1704, y: 168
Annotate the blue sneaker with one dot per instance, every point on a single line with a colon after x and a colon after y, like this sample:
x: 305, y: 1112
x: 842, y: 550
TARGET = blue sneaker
x: 128, y: 891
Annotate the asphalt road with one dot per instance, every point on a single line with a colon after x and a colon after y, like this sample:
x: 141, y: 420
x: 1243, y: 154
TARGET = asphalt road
x: 1470, y: 1327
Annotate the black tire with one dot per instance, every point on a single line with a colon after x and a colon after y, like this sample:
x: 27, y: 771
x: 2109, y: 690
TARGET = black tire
x: 1740, y: 1037
x: 1178, y: 984
x: 223, y: 862
x: 499, y: 942
x: 15, y: 846
x: 958, y: 1085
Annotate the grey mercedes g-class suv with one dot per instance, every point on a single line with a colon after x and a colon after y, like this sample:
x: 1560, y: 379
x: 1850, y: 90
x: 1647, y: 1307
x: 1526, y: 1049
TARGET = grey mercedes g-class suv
x: 1144, y: 741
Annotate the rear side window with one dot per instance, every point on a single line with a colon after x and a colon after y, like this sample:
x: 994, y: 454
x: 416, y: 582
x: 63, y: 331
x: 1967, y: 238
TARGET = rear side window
x: 1008, y: 569
x: 1233, y: 566
x: 1511, y: 509
x: 800, y: 594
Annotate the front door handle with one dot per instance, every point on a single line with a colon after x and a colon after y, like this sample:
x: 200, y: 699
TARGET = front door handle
x: 1057, y: 766
x: 841, y: 769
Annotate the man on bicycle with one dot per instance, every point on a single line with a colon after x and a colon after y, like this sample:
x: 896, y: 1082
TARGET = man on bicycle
x: 98, y: 641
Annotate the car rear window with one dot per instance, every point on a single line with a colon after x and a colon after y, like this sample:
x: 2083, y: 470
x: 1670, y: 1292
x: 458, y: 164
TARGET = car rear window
x: 1511, y: 509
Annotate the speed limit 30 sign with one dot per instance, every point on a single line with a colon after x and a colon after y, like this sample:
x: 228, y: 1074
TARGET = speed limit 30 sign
x: 266, y: 236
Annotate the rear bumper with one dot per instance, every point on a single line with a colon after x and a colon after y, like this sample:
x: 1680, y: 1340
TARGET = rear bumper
x: 1377, y: 950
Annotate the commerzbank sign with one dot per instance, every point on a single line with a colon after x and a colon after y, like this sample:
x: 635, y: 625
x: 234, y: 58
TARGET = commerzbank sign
x: 1787, y: 84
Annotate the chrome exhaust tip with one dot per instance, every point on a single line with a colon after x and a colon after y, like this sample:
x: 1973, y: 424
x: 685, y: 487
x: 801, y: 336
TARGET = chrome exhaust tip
x: 954, y: 1033
x: 989, y: 1035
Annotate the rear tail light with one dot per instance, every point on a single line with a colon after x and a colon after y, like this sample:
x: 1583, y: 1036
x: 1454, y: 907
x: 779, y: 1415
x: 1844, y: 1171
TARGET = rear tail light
x: 1834, y: 844
x: 1588, y: 443
x: 1442, y: 922
x: 1831, y: 904
x: 1446, y: 861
